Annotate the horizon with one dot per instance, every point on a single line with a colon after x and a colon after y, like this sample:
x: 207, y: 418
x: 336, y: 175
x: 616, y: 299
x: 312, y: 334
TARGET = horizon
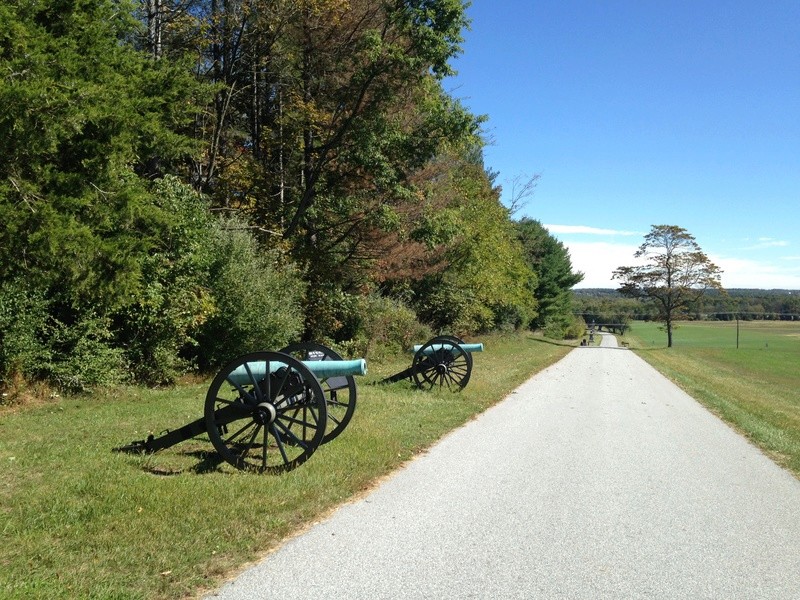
x: 780, y: 290
x: 636, y: 115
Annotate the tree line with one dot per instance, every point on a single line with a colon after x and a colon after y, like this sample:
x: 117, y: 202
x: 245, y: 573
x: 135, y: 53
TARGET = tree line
x: 610, y: 306
x: 182, y: 181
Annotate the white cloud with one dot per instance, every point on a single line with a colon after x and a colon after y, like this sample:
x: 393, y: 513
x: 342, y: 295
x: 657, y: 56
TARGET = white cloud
x: 767, y: 243
x: 598, y: 260
x: 747, y: 273
x: 585, y: 229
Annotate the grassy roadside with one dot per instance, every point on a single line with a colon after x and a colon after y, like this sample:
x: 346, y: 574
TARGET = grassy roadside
x: 78, y: 521
x: 753, y: 387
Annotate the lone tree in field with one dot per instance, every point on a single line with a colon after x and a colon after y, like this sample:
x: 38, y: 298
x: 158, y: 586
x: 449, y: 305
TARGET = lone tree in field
x: 675, y: 274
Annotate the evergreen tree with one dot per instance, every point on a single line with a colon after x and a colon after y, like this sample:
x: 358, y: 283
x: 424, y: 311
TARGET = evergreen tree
x: 549, y: 259
x: 86, y: 122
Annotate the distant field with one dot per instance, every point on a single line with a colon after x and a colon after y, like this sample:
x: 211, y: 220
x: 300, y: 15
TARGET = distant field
x: 777, y: 335
x: 755, y: 387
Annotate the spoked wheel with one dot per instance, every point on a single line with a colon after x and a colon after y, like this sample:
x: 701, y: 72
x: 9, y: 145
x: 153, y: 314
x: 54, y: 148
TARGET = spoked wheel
x: 340, y: 391
x: 442, y: 363
x: 265, y: 412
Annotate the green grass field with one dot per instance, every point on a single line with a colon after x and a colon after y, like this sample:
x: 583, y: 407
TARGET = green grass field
x: 755, y: 387
x: 78, y: 521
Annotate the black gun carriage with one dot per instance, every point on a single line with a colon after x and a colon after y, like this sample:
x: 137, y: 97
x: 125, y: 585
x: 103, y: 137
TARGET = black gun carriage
x: 270, y: 411
x: 443, y: 362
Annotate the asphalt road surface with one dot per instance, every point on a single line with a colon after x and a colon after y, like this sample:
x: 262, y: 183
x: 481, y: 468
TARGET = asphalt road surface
x: 595, y: 479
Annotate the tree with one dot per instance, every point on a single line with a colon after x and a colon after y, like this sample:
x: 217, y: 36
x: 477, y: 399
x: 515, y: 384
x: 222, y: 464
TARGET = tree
x: 484, y: 282
x: 550, y: 260
x: 675, y: 275
x: 87, y: 122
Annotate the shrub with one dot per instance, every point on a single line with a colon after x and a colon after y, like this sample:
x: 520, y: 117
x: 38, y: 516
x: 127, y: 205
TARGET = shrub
x: 256, y: 297
x: 331, y: 313
x: 576, y: 327
x: 72, y: 352
x: 388, y: 327
x: 23, y: 314
x: 560, y: 327
x: 81, y: 355
x: 172, y: 300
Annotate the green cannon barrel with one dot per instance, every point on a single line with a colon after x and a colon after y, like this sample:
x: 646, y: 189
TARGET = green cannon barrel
x: 322, y: 369
x: 434, y: 347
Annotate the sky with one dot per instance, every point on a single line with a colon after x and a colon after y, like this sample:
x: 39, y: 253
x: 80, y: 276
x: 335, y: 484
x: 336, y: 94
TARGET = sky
x: 636, y: 113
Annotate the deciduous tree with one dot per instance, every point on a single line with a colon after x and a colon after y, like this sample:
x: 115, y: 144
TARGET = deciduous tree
x: 674, y: 274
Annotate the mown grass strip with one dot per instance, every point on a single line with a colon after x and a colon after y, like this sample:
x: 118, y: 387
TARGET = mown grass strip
x: 78, y: 521
x: 754, y: 388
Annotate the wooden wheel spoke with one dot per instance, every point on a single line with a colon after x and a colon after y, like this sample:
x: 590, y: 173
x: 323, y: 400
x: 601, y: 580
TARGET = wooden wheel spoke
x: 279, y: 442
x: 252, y: 440
x: 264, y: 448
x: 289, y: 434
x: 294, y: 420
x: 233, y: 437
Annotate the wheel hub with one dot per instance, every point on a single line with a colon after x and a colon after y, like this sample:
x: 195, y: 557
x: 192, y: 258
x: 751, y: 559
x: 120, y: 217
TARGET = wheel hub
x: 265, y: 413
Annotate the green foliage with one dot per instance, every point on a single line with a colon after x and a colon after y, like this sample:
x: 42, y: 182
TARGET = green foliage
x: 327, y: 129
x: 256, y: 295
x: 85, y: 117
x: 674, y: 273
x: 81, y: 112
x: 82, y: 355
x: 388, y: 327
x: 23, y: 315
x: 564, y: 327
x: 550, y: 260
x: 73, y: 354
x: 609, y: 306
x: 486, y: 284
x: 173, y: 300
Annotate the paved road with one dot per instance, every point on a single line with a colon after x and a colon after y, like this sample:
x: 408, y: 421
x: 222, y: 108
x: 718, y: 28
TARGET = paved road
x: 595, y: 479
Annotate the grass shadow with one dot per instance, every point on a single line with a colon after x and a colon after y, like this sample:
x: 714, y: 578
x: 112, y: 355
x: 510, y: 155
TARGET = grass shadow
x: 552, y: 342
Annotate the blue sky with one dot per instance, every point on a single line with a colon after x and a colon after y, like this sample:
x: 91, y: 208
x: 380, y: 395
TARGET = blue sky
x: 640, y: 112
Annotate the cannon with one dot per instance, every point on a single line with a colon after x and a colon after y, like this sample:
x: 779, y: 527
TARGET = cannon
x: 339, y: 390
x: 267, y: 412
x: 444, y: 361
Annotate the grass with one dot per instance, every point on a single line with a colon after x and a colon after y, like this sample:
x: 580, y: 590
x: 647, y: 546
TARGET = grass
x: 754, y: 388
x: 78, y: 521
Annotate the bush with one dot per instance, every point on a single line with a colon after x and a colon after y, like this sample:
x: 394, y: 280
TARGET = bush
x: 388, y: 327
x: 256, y: 297
x: 576, y: 327
x: 23, y: 315
x: 81, y: 355
x: 72, y: 353
x: 560, y: 327
x: 173, y: 300
x: 448, y: 308
x: 331, y: 313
